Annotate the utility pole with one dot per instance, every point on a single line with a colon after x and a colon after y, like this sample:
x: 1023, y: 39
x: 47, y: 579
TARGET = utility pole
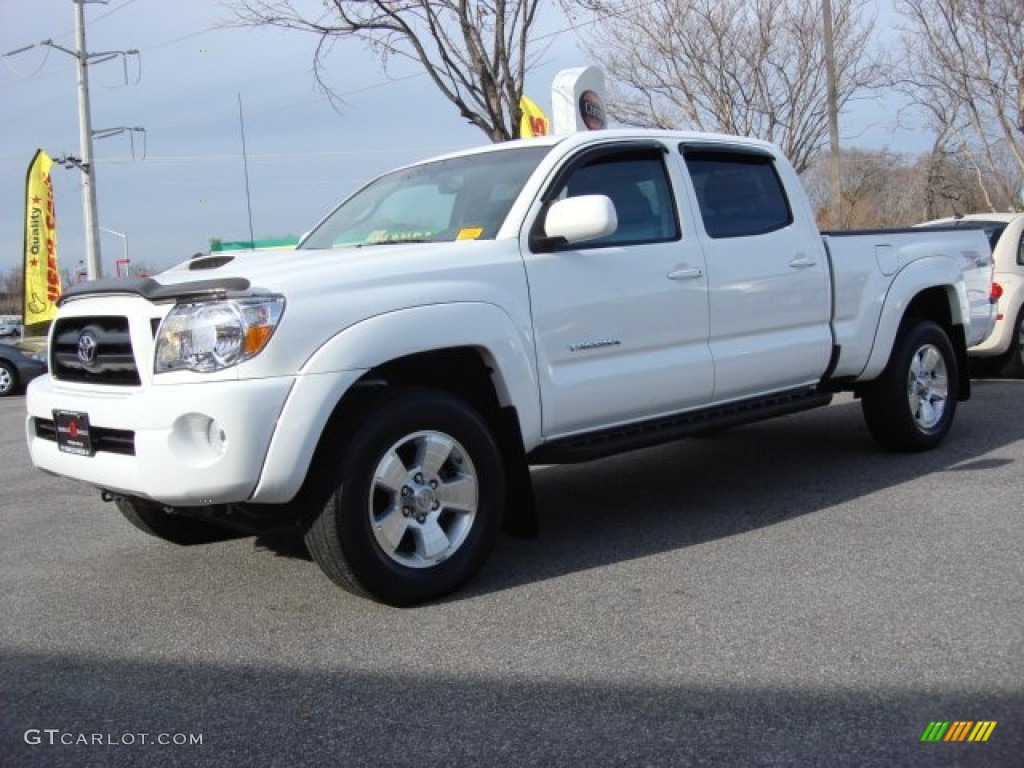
x: 832, y: 98
x: 93, y: 256
x: 94, y: 263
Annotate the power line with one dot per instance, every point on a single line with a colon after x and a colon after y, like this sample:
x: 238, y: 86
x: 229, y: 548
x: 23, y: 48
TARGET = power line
x: 273, y: 156
x: 111, y: 12
x: 86, y: 134
x: 89, y: 24
x: 572, y: 27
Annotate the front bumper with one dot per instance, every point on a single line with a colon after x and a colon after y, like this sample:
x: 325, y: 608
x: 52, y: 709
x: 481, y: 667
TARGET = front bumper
x: 165, y: 441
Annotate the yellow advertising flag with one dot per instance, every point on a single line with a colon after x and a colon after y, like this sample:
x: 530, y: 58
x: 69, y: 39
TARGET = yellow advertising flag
x: 534, y: 122
x: 42, y: 275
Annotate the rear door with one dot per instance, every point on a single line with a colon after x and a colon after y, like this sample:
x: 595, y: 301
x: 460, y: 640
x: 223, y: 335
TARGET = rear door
x: 768, y: 280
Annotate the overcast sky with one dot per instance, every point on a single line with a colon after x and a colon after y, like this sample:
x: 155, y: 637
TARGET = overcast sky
x: 186, y: 183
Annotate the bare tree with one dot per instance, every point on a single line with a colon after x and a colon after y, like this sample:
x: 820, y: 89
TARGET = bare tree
x: 879, y: 188
x: 884, y: 189
x: 12, y: 285
x: 964, y: 66
x: 755, y: 68
x: 953, y: 186
x: 476, y: 52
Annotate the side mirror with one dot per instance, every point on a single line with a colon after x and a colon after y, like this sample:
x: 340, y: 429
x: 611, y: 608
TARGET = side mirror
x: 578, y: 219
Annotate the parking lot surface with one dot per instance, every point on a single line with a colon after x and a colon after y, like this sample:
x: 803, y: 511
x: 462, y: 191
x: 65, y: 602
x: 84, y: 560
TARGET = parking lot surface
x: 779, y: 594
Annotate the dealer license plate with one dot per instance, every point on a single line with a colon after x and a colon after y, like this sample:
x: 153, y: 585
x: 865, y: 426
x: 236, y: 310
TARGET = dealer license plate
x: 73, y: 432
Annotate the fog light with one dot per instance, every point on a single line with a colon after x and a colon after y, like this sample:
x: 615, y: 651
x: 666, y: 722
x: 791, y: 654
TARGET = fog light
x: 197, y: 440
x: 217, y: 437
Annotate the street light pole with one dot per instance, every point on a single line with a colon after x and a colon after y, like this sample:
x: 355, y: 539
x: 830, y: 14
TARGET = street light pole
x: 124, y: 237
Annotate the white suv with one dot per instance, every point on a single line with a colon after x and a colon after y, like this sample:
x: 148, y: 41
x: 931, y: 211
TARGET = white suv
x: 1003, y: 350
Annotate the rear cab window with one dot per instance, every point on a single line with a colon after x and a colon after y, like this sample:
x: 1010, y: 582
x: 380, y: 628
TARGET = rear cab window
x: 739, y: 193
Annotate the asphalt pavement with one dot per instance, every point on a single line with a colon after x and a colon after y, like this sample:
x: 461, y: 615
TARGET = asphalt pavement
x: 783, y: 594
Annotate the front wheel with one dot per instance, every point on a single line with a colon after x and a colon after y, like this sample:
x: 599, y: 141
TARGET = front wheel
x: 417, y: 501
x: 910, y: 407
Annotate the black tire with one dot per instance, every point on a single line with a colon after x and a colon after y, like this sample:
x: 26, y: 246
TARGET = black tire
x: 1011, y: 366
x: 405, y: 524
x: 8, y: 379
x: 910, y: 407
x: 152, y: 518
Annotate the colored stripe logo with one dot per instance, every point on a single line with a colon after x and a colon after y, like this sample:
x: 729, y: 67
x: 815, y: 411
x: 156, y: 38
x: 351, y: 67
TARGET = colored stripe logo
x: 958, y: 730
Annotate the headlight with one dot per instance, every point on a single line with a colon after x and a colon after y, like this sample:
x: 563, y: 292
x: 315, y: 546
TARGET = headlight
x: 209, y: 336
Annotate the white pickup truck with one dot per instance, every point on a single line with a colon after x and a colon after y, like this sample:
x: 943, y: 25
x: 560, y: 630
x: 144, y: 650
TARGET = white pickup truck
x: 386, y: 386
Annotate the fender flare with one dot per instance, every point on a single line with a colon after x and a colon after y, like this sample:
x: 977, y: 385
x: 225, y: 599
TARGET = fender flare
x: 340, y: 361
x: 917, y: 277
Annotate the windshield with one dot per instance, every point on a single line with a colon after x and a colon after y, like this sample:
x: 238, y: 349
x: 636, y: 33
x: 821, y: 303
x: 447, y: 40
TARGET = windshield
x: 461, y: 198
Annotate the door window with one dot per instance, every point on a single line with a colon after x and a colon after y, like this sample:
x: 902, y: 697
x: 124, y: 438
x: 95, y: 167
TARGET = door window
x: 739, y: 194
x: 638, y: 187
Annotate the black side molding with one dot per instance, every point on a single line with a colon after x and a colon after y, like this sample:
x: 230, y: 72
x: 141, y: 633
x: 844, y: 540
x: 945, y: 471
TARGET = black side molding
x: 148, y: 288
x: 642, y: 434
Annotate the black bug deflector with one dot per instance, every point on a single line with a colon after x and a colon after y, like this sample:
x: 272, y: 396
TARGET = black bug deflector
x: 148, y: 288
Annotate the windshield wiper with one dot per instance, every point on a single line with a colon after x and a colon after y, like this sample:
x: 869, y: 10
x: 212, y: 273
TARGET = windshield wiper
x: 401, y: 241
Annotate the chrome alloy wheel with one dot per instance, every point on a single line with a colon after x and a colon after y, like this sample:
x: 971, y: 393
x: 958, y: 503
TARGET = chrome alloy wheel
x: 423, y: 499
x: 927, y: 386
x: 6, y: 380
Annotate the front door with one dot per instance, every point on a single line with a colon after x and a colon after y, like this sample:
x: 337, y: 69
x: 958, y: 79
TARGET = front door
x: 621, y: 323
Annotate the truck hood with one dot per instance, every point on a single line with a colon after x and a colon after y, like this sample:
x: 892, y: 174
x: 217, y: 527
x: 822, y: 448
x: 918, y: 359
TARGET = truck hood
x: 329, y: 291
x: 299, y: 271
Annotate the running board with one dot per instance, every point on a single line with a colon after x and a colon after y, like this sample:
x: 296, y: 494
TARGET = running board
x: 643, y: 434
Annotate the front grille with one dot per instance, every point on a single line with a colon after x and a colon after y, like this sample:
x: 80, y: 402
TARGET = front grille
x: 111, y: 360
x: 103, y: 439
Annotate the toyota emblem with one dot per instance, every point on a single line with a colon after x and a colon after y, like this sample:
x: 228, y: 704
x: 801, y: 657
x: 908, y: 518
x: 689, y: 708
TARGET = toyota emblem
x: 87, y: 348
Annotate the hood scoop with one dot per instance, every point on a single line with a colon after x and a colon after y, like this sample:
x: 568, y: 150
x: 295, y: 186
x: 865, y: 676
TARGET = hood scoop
x: 209, y: 262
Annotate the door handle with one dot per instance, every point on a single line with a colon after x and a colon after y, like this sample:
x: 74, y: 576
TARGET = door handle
x: 686, y: 274
x: 802, y: 262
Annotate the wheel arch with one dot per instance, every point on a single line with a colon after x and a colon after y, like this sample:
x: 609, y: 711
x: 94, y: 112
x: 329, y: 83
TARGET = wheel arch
x: 928, y: 289
x: 484, y: 361
x: 467, y: 373
x: 403, y: 344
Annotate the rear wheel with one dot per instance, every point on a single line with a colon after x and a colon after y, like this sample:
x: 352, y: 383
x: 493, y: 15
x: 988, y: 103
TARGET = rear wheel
x: 910, y: 407
x: 417, y: 501
x: 154, y: 519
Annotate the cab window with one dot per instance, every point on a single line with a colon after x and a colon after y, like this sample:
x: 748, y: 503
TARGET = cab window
x: 739, y: 194
x: 639, y: 188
